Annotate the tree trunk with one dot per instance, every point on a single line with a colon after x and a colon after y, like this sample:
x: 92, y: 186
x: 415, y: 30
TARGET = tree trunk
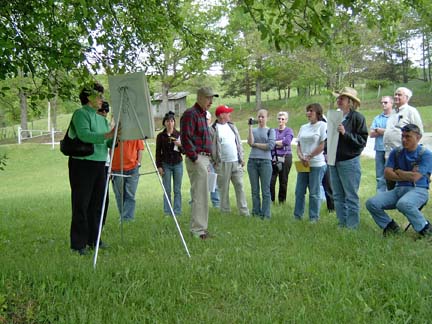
x: 405, y: 62
x: 424, y: 56
x: 23, y: 107
x: 247, y: 90
x: 165, y: 91
x: 258, y: 85
x: 258, y: 100
x: 428, y: 57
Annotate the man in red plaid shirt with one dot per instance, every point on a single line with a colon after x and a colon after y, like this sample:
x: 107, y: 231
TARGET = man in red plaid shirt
x: 196, y: 142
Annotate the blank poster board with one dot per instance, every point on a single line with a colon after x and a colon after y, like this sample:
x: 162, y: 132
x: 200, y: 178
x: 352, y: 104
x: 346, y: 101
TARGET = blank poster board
x: 334, y: 118
x: 131, y: 104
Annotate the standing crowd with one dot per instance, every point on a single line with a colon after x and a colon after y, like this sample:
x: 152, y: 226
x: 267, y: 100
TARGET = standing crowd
x: 328, y: 164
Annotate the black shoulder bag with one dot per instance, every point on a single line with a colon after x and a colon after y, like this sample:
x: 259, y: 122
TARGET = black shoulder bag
x: 75, y: 147
x: 277, y: 165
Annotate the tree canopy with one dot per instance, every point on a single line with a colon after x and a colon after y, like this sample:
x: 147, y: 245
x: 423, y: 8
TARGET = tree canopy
x: 60, y: 43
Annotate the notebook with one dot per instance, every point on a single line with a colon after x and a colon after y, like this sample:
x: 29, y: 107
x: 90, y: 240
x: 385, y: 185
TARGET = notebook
x: 300, y: 167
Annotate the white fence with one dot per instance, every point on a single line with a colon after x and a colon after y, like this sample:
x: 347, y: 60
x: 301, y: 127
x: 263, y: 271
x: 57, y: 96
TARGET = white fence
x: 33, y: 133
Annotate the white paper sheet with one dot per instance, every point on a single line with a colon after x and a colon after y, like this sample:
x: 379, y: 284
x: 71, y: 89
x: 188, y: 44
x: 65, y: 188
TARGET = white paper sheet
x: 334, y: 118
x: 212, y: 181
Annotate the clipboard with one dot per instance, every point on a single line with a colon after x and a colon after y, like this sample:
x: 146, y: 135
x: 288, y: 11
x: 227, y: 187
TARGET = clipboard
x: 300, y: 167
x: 212, y: 181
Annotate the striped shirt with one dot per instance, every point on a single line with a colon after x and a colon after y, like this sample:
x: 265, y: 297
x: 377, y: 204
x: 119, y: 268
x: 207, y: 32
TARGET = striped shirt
x: 195, y: 135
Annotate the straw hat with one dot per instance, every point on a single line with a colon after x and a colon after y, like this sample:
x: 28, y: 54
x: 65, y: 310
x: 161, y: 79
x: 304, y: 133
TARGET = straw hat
x: 348, y: 92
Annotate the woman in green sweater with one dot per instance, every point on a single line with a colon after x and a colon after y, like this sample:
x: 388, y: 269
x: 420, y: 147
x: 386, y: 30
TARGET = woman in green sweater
x: 87, y: 175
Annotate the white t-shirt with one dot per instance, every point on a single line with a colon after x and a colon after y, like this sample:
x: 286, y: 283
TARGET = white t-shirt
x: 227, y: 142
x: 309, y: 137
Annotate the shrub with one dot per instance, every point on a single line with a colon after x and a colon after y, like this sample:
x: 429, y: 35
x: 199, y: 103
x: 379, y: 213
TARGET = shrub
x: 375, y: 84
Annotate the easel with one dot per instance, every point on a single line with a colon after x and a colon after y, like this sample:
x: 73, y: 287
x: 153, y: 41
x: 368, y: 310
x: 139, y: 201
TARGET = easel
x: 124, y: 96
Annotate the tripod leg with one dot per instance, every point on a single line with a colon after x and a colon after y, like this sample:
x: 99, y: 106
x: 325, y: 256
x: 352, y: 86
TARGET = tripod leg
x: 167, y: 198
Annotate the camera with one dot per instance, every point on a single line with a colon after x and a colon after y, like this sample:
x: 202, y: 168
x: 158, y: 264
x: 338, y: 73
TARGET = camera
x: 252, y: 121
x: 105, y: 107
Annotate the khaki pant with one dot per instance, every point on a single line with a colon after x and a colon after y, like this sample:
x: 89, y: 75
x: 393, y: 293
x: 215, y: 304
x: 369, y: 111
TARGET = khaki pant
x: 227, y: 172
x: 198, y: 177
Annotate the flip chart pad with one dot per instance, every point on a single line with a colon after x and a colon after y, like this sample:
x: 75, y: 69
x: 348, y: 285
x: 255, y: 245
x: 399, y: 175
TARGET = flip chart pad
x: 131, y: 105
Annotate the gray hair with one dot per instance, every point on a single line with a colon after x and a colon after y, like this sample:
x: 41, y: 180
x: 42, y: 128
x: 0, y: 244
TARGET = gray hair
x: 283, y: 113
x: 407, y: 92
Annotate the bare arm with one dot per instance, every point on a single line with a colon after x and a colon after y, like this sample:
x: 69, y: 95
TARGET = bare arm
x: 250, y: 139
x: 401, y: 175
x: 139, y: 157
x: 303, y: 158
x: 377, y: 132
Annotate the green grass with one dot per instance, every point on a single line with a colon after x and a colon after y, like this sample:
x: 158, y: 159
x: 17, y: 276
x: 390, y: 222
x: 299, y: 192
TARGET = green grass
x: 252, y: 271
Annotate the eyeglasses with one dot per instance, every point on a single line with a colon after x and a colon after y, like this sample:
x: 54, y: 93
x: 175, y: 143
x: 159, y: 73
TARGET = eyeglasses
x: 280, y: 118
x: 384, y: 102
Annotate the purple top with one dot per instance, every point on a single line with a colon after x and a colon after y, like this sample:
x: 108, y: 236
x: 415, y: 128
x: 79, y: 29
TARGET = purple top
x: 286, y: 135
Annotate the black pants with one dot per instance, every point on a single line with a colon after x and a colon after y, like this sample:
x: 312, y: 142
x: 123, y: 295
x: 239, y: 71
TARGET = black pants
x: 107, y: 198
x: 87, y: 181
x: 328, y: 190
x: 283, y: 179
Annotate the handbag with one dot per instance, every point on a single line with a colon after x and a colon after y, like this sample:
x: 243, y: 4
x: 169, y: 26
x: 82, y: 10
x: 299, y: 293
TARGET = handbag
x: 277, y: 162
x: 75, y: 147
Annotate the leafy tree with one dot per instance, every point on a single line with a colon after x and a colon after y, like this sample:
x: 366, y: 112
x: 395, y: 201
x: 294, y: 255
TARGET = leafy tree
x: 309, y: 22
x: 245, y: 61
x: 63, y: 43
x: 181, y: 55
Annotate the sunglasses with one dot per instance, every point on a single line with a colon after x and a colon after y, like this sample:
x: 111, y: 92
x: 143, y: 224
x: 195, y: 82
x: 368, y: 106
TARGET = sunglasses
x: 384, y: 102
x: 279, y: 118
x: 411, y: 128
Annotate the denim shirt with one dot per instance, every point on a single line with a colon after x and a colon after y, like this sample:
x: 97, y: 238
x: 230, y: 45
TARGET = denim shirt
x: 380, y: 121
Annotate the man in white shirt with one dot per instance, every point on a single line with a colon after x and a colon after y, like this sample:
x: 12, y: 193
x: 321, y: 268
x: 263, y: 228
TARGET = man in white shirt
x: 404, y: 115
x: 228, y: 160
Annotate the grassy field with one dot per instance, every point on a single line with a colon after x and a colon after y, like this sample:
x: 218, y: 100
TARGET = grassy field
x: 252, y: 271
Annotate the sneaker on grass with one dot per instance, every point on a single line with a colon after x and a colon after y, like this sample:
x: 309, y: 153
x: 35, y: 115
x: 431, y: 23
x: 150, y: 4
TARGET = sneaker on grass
x: 391, y: 229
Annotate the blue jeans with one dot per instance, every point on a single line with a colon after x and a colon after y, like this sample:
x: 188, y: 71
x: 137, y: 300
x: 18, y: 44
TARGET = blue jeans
x: 214, y: 196
x: 174, y: 171
x: 311, y: 180
x: 345, y: 180
x: 260, y: 171
x: 407, y: 200
x: 124, y: 190
x: 379, y: 170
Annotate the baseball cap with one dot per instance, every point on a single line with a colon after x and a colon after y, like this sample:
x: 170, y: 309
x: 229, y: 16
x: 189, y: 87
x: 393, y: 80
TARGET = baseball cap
x: 206, y: 92
x: 223, y: 109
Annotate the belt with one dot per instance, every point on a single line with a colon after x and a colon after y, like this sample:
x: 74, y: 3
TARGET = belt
x: 204, y: 153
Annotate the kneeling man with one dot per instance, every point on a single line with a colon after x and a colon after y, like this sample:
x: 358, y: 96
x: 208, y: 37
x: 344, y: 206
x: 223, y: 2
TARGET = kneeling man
x: 410, y: 166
